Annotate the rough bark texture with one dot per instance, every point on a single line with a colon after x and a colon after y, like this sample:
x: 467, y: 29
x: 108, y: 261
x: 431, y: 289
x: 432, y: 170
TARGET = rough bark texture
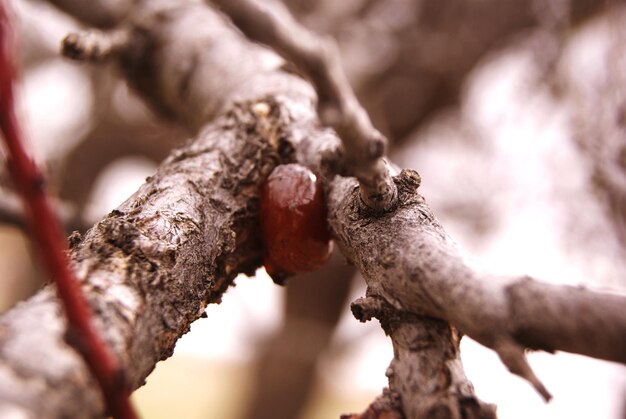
x: 149, y: 268
x: 426, y: 374
x: 419, y: 269
x: 152, y: 265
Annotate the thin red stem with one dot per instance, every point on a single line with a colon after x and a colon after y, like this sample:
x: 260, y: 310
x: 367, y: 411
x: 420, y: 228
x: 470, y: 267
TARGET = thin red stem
x: 48, y: 236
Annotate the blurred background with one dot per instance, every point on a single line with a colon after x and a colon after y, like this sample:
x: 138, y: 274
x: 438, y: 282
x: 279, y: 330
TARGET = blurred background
x: 513, y: 112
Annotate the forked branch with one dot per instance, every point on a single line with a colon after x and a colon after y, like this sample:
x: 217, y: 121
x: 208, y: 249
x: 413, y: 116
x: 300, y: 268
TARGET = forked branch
x: 152, y: 265
x: 270, y: 22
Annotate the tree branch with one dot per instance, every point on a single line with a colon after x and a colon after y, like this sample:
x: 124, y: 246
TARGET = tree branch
x: 95, y: 46
x: 48, y: 237
x: 149, y: 268
x: 364, y: 147
x: 409, y: 261
x: 99, y: 13
x: 426, y: 373
x: 152, y: 265
x: 11, y: 212
x: 409, y: 59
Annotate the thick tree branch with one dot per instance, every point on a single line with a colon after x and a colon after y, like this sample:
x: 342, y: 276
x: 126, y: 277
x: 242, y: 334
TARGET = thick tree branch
x: 149, y: 268
x: 152, y: 264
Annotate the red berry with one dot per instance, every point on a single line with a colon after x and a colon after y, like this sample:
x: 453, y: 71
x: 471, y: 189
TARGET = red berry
x: 293, y: 222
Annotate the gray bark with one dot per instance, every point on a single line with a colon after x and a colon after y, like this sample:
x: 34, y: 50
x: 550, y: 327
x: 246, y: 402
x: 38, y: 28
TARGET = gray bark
x: 151, y: 266
x: 148, y: 269
x: 419, y: 269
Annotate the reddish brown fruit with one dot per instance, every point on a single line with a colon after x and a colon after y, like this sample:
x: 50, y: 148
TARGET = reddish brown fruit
x: 293, y: 222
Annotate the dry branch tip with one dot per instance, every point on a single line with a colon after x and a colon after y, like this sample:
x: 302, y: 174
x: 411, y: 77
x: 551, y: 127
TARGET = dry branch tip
x: 513, y: 356
x: 94, y: 46
x: 366, y: 308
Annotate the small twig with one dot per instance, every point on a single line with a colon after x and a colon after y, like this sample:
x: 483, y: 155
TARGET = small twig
x: 94, y: 46
x: 48, y: 237
x: 364, y: 147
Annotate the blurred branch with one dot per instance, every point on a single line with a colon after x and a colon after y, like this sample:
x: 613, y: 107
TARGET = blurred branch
x: 286, y: 368
x: 122, y: 127
x: 599, y: 122
x: 98, y: 13
x: 408, y: 59
x: 11, y: 212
